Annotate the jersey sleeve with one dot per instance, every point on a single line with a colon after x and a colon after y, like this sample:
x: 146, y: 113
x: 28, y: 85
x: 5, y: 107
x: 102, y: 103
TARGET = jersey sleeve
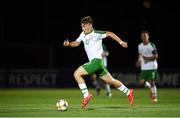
x: 154, y: 48
x: 80, y: 38
x: 102, y: 34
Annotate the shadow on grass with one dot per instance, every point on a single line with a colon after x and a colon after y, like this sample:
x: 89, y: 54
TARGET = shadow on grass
x: 119, y: 108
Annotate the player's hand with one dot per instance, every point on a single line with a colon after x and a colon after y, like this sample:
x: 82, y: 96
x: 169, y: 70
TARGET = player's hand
x: 66, y: 43
x: 138, y: 64
x: 105, y: 54
x: 124, y: 44
x: 146, y: 58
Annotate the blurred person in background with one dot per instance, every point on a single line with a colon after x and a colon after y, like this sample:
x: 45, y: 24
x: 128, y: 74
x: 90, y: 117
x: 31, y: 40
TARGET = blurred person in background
x: 147, y: 61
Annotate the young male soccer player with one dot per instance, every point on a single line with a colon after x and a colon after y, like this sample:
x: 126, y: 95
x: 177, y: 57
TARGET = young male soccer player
x: 147, y: 60
x: 92, y: 40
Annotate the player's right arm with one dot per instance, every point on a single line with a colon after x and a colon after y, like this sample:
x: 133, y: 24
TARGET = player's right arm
x: 139, y: 60
x: 71, y: 44
x: 74, y: 43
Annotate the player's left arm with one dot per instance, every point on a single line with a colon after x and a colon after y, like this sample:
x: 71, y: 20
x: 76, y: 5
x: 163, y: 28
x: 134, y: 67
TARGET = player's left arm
x: 151, y: 58
x: 117, y: 39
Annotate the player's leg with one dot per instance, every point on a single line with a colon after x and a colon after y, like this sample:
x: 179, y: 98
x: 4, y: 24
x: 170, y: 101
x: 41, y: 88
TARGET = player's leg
x: 99, y: 83
x: 120, y: 86
x: 108, y: 90
x: 145, y: 83
x: 114, y: 82
x: 153, y: 89
x: 95, y: 83
x: 153, y: 92
x: 78, y: 74
x: 86, y: 69
x: 150, y: 77
x: 144, y: 79
x: 107, y: 86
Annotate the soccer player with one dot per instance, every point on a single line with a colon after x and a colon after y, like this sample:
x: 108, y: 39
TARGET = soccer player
x: 147, y: 61
x: 95, y: 78
x: 92, y: 40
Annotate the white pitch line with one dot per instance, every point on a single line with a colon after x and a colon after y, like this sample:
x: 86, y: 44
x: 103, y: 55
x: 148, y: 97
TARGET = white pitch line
x: 95, y: 108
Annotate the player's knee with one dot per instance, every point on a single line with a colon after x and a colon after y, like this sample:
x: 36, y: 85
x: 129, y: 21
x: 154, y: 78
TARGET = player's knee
x: 108, y: 81
x: 76, y: 74
x: 152, y: 84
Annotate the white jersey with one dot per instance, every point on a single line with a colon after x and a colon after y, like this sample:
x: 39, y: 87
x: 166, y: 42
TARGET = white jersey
x: 93, y: 43
x: 147, y: 50
x: 105, y: 57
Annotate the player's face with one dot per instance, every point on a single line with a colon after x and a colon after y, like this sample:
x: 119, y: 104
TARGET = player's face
x: 145, y: 37
x: 87, y: 28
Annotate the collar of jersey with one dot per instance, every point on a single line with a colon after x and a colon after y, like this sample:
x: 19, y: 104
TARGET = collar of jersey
x: 90, y: 32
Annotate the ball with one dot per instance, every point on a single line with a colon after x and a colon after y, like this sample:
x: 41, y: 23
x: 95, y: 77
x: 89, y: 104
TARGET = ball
x: 62, y: 105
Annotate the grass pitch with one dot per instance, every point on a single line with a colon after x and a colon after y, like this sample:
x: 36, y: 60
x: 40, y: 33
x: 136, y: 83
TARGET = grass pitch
x: 41, y: 103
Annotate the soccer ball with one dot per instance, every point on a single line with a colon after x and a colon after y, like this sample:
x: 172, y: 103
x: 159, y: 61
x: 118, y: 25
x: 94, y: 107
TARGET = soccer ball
x: 62, y: 105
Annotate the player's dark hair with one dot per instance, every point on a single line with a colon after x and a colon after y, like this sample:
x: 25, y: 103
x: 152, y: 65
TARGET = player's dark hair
x: 86, y: 20
x: 145, y: 31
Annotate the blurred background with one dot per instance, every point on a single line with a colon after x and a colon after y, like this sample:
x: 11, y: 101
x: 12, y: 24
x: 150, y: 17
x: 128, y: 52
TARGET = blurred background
x: 32, y: 34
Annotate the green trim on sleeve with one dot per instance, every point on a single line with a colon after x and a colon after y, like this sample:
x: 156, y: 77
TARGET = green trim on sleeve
x: 100, y: 31
x: 153, y: 45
